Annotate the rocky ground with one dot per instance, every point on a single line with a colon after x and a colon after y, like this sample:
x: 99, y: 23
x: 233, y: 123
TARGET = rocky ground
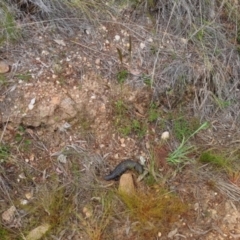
x: 62, y: 109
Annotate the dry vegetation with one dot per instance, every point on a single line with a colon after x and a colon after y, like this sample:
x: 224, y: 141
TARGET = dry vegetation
x: 179, y: 61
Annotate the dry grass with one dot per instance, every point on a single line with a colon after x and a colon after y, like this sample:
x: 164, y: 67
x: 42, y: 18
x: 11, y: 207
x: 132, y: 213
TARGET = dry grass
x: 189, y: 59
x: 154, y: 210
x: 194, y: 45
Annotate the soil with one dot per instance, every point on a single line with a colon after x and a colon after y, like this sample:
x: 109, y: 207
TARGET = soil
x: 59, y: 100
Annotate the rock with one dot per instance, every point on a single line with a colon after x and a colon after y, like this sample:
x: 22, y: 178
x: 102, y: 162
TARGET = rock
x: 172, y: 233
x: 4, y: 67
x: 38, y: 232
x: 8, y: 215
x: 88, y: 211
x: 165, y: 135
x: 126, y: 184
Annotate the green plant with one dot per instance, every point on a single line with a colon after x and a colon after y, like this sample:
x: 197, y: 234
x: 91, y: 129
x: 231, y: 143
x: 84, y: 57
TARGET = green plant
x: 153, y: 113
x: 127, y: 123
x: 4, y: 234
x: 3, y: 79
x: 122, y: 76
x: 181, y: 154
x: 151, y: 177
x: 9, y: 29
x: 121, y: 108
x: 4, y: 152
x: 183, y: 128
x: 238, y: 50
x: 221, y: 103
x: 147, y: 80
x: 217, y: 160
x: 138, y: 127
x: 24, y: 76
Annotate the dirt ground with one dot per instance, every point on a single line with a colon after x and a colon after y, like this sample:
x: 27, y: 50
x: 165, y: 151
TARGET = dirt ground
x: 60, y: 102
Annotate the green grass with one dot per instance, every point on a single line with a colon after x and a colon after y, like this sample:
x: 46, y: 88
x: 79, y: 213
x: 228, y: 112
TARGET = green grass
x: 3, y: 79
x: 26, y: 77
x: 147, y: 80
x: 5, y: 152
x: 125, y: 123
x: 153, y: 113
x: 8, y: 27
x: 4, y: 234
x: 181, y: 154
x: 217, y: 160
x: 183, y: 128
x: 122, y: 76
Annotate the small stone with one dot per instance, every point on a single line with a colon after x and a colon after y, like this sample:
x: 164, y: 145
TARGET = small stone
x: 22, y: 175
x: 38, y: 232
x: 62, y: 158
x: 196, y: 206
x: 28, y: 195
x: 172, y: 233
x: 184, y: 40
x: 8, y: 215
x: 4, y: 67
x: 87, y: 211
x: 87, y: 31
x: 98, y: 61
x: 142, y: 45
x: 45, y: 53
x: 117, y: 37
x: 126, y: 184
x: 165, y: 135
x: 24, y: 201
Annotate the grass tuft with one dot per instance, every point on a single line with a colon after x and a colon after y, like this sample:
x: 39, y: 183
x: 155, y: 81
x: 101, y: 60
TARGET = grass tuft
x: 157, y: 207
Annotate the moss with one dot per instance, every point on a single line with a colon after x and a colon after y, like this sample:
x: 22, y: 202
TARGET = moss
x: 157, y: 207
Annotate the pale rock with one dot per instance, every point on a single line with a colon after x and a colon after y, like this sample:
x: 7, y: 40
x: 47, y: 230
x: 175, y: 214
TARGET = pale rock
x: 126, y: 184
x: 172, y: 233
x: 8, y: 215
x: 62, y: 158
x: 24, y: 201
x: 4, y: 67
x: 165, y: 135
x: 142, y: 45
x: 117, y: 37
x: 28, y: 195
x: 97, y: 61
x: 38, y: 232
x: 88, y: 211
